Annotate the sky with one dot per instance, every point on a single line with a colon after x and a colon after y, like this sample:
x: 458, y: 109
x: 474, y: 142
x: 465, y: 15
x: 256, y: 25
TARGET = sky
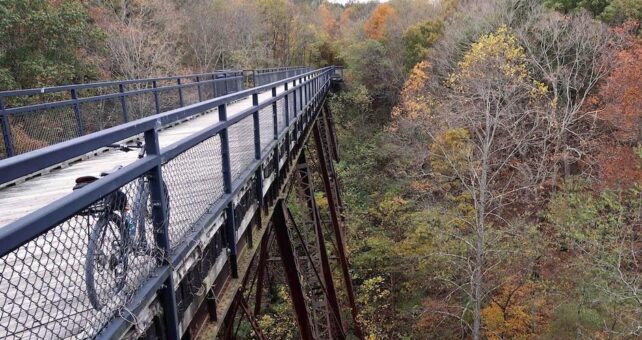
x: 345, y: 1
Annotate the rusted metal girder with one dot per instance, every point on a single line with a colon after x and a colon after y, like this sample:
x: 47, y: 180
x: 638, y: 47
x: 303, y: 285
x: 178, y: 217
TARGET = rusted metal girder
x: 331, y: 131
x: 336, y: 222
x: 291, y: 271
x: 263, y: 257
x: 251, y: 317
x: 328, y: 282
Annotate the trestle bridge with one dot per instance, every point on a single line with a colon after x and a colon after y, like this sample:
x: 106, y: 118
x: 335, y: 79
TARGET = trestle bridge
x: 183, y: 239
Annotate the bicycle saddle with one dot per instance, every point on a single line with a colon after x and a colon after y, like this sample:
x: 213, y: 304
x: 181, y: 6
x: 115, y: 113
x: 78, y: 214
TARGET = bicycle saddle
x: 109, y: 172
x: 84, y: 180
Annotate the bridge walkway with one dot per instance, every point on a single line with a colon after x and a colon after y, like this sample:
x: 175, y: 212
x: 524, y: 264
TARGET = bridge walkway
x: 29, y: 194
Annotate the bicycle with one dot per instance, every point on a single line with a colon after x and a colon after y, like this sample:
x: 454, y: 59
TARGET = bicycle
x: 119, y: 231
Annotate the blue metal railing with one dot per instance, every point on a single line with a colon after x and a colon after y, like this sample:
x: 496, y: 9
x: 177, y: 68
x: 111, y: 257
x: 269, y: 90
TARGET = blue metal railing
x: 293, y: 104
x: 34, y: 118
x: 270, y: 75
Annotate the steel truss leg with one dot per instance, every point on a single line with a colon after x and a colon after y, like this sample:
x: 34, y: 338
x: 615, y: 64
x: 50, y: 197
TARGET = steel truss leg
x: 291, y: 271
x: 250, y: 317
x: 334, y: 319
x: 337, y: 224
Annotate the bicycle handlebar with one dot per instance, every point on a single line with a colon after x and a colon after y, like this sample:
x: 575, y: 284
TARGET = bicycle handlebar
x: 125, y: 147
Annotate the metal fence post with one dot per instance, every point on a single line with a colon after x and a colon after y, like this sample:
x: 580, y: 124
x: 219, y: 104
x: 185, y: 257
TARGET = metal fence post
x: 295, y: 107
x: 287, y: 105
x: 123, y: 103
x: 227, y: 186
x: 161, y: 226
x: 214, y: 94
x: 180, y: 92
x: 225, y: 81
x: 301, y: 94
x: 6, y: 131
x: 198, y: 86
x: 257, y: 155
x: 79, y: 125
x: 156, y: 99
x: 275, y: 115
x: 257, y: 128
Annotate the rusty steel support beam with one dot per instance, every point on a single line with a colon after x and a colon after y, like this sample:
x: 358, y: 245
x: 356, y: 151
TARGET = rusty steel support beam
x: 326, y: 271
x: 263, y: 257
x: 327, y: 137
x: 291, y: 271
x: 332, y: 131
x: 337, y: 225
x: 250, y: 317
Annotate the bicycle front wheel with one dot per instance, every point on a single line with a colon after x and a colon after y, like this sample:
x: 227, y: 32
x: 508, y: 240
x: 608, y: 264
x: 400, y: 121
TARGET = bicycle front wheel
x: 107, y: 260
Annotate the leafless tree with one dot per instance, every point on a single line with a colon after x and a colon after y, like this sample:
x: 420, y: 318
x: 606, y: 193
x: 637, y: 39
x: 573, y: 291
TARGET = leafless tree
x: 571, y: 54
x: 495, y: 100
x: 142, y: 39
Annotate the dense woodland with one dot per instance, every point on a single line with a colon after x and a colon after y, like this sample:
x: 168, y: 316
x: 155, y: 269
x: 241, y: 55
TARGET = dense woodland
x: 491, y: 150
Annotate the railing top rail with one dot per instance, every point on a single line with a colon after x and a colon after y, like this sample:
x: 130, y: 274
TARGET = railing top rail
x: 24, y: 164
x: 62, y: 88
x: 279, y: 69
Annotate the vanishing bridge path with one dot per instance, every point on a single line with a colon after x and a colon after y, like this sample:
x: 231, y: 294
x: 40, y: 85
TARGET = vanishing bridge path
x: 219, y: 160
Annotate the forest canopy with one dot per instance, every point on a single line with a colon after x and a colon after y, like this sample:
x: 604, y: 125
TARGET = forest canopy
x: 491, y: 150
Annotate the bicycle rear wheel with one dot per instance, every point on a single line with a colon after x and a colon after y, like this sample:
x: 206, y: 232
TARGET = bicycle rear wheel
x: 107, y: 260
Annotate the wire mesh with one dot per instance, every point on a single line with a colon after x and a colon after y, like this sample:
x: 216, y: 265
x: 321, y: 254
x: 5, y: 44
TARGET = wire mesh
x: 70, y: 281
x: 195, y: 182
x: 3, y: 147
x: 36, y: 129
x: 140, y: 106
x: 291, y: 108
x: 190, y: 94
x: 169, y: 99
x: 220, y: 87
x: 280, y: 114
x: 207, y: 91
x: 102, y: 114
x: 266, y: 124
x: 233, y: 84
x: 241, y: 137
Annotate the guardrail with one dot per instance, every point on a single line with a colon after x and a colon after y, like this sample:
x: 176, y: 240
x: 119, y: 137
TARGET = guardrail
x: 270, y: 75
x: 33, y: 118
x: 201, y: 190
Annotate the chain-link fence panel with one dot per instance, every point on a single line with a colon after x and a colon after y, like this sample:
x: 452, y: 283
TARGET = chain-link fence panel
x: 190, y: 93
x: 100, y: 115
x: 3, y: 147
x: 241, y: 137
x: 70, y: 281
x: 280, y: 114
x: 169, y: 100
x: 140, y: 104
x: 36, y: 129
x: 195, y: 182
x: 266, y: 124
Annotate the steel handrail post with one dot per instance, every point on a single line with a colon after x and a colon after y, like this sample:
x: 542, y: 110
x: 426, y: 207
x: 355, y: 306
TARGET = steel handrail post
x: 230, y: 232
x: 79, y: 125
x: 156, y: 96
x: 160, y: 209
x: 180, y: 92
x: 198, y: 86
x: 6, y: 131
x: 123, y: 103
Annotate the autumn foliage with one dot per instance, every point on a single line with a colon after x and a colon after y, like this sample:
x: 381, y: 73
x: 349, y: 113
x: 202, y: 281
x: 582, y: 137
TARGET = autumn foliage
x: 620, y: 101
x: 376, y: 27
